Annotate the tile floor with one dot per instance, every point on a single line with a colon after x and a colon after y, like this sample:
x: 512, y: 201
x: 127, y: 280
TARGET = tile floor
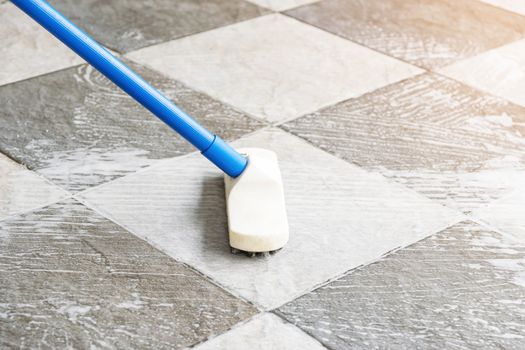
x: 400, y: 129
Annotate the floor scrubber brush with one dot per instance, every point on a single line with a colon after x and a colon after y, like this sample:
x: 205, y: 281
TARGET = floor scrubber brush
x: 254, y: 191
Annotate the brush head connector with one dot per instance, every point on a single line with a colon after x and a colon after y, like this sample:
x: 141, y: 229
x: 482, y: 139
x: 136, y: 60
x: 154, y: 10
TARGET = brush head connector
x: 257, y: 218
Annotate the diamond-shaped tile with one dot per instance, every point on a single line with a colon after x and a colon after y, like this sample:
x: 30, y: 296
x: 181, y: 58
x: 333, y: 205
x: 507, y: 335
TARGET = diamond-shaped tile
x: 28, y: 50
x: 124, y: 25
x: 274, y: 67
x: 507, y: 213
x: 281, y: 5
x: 439, y: 137
x: 264, y: 332
x: 429, y: 33
x: 22, y: 189
x: 78, y: 129
x: 500, y: 71
x: 463, y: 288
x: 340, y: 217
x: 511, y: 5
x: 72, y: 279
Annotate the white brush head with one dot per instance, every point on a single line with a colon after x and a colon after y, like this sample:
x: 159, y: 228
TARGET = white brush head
x: 255, y: 203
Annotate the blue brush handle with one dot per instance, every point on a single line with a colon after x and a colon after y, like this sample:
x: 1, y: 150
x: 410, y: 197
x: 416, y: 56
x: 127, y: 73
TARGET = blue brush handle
x: 210, y: 145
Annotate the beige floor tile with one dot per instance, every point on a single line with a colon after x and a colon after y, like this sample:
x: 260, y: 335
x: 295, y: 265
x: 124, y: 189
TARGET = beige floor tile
x: 274, y: 67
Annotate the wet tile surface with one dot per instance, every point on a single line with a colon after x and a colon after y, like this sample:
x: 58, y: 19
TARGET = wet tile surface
x: 340, y: 217
x: 385, y: 155
x: 266, y: 66
x: 280, y: 5
x: 461, y: 288
x: 27, y: 50
x: 449, y: 142
x: 71, y: 278
x: 124, y: 25
x: 79, y: 130
x: 22, y: 190
x: 264, y: 332
x: 428, y: 33
x: 500, y: 71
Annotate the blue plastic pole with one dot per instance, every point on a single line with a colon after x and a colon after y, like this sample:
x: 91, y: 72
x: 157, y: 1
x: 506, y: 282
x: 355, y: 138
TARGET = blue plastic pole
x: 210, y: 145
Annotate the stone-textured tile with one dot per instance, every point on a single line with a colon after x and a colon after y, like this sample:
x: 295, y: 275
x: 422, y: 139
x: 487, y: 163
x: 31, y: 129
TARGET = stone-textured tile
x: 439, y: 137
x: 507, y: 213
x: 428, y: 33
x: 26, y: 49
x: 264, y: 332
x: 340, y: 217
x: 463, y: 288
x: 22, y: 189
x: 500, y: 71
x: 78, y: 129
x: 274, y: 67
x: 511, y: 5
x: 124, y: 25
x: 281, y: 5
x: 70, y: 278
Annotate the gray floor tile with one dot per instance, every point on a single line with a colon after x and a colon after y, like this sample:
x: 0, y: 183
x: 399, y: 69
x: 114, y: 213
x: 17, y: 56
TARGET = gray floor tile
x: 77, y: 129
x: 265, y: 332
x: 70, y: 278
x: 340, y: 217
x: 439, y: 137
x: 22, y: 190
x: 124, y: 25
x: 428, y: 33
x: 461, y: 288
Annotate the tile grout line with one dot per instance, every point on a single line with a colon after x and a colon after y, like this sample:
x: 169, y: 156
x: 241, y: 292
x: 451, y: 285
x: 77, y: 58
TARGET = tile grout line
x: 373, y: 261
x: 43, y: 74
x: 233, y: 327
x: 304, y: 331
x: 371, y: 171
x: 121, y: 53
x: 256, y: 118
x: 65, y: 193
x: 87, y: 204
x: 27, y: 211
x: 352, y: 41
x: 476, y: 88
x: 433, y: 69
x: 500, y: 8
x: 200, y: 91
x: 330, y: 105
